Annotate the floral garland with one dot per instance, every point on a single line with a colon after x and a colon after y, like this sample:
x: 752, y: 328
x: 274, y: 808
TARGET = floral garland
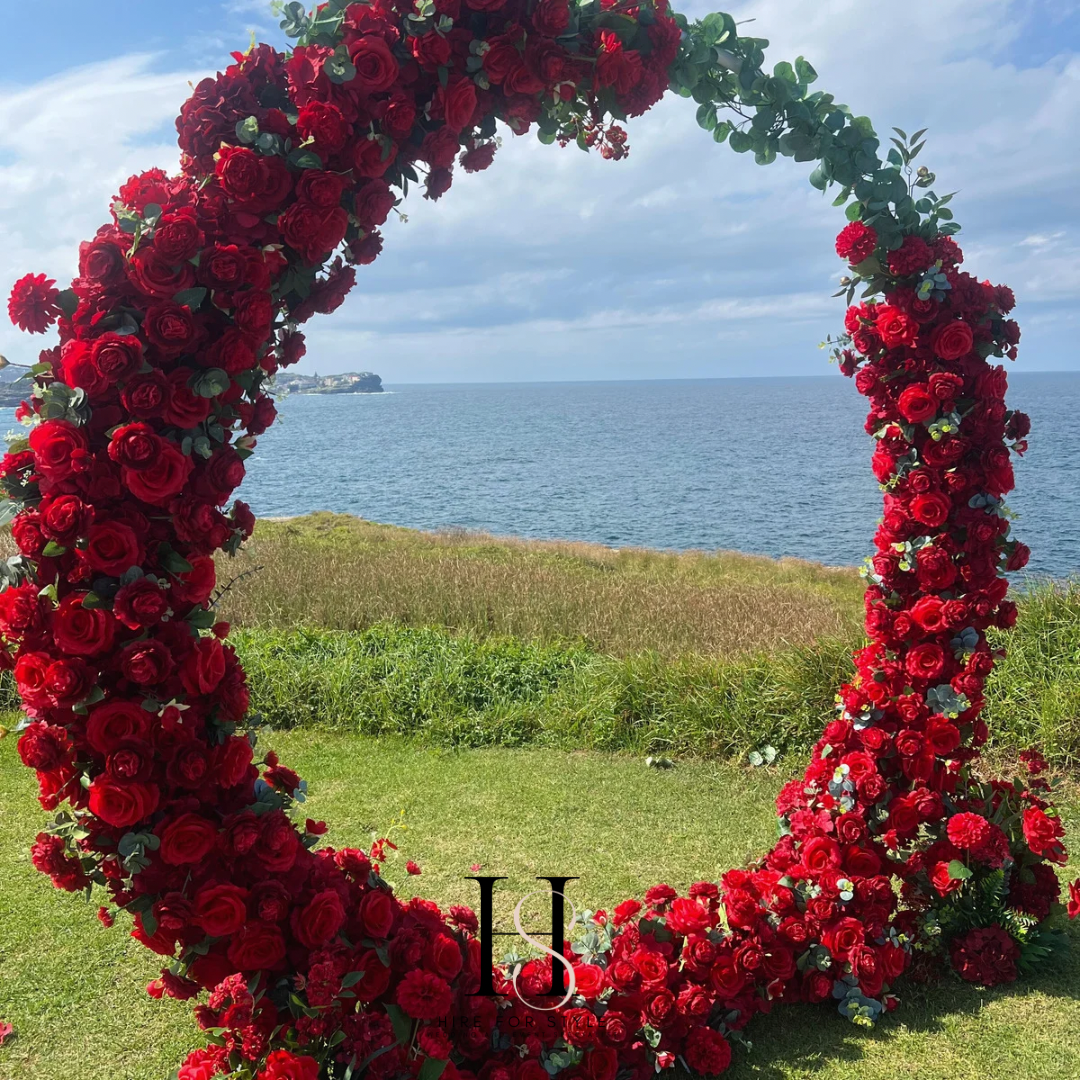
x: 186, y: 304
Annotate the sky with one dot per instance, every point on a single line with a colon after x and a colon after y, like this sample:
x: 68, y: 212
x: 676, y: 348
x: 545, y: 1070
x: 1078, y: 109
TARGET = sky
x: 683, y: 261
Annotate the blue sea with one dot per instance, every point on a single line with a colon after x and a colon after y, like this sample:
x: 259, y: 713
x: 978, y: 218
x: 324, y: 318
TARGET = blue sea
x: 776, y: 466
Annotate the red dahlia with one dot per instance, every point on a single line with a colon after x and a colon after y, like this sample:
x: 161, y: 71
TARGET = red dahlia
x: 33, y: 305
x: 856, y: 243
x: 424, y: 996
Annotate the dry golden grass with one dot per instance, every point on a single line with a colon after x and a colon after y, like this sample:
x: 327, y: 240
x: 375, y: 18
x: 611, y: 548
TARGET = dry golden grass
x: 339, y: 572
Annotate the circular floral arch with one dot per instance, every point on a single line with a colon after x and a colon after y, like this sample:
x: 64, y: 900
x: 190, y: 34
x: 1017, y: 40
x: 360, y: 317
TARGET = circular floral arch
x: 892, y: 854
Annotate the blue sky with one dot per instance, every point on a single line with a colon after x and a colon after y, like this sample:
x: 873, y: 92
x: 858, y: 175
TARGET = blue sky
x: 685, y: 260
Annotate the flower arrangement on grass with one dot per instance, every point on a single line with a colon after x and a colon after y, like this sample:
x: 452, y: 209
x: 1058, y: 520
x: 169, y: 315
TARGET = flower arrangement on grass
x: 893, y: 853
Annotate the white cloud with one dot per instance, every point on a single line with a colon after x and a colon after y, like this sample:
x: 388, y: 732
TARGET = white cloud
x: 68, y: 143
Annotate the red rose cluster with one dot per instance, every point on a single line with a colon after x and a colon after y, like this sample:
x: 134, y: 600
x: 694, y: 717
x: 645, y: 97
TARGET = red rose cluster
x: 186, y: 304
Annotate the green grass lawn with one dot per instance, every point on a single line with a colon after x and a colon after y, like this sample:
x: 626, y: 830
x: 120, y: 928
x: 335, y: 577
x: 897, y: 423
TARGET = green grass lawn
x: 74, y: 991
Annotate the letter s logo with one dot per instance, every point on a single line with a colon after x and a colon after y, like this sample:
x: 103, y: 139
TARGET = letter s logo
x: 556, y: 955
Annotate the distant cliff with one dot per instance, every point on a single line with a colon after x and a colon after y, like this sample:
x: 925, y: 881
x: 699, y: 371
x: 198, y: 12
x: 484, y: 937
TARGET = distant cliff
x: 351, y: 382
x: 12, y: 391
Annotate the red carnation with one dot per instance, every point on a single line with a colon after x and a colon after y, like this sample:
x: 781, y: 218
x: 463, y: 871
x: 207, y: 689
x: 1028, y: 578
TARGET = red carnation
x: 34, y: 303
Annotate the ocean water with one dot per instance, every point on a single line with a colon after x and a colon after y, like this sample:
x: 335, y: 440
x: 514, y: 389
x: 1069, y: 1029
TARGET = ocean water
x: 776, y: 466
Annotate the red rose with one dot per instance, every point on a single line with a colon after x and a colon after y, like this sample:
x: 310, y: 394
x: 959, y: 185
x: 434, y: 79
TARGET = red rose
x: 322, y: 189
x: 221, y: 909
x: 440, y: 147
x: 323, y: 123
x: 707, y: 1051
x: 688, y: 917
x: 258, y: 946
x: 224, y: 267
x: 142, y: 603
x: 842, y: 936
x: 232, y: 351
x: 170, y: 327
x: 374, y: 201
x: 478, y: 158
x: 929, y: 614
x: 204, y: 667
x: 931, y: 509
x: 1043, y: 834
x: 195, y: 585
x: 820, y: 853
x: 551, y: 17
x: 56, y: 445
x: 320, y: 920
x: 183, y: 407
x: 935, y: 569
x: 254, y: 314
x: 444, y: 956
x: 156, y: 276
x: 312, y: 232
x: 178, y: 236
x: 373, y: 155
x: 375, y: 976
x: 145, y: 395
x: 376, y: 68
x: 68, y: 682
x: 122, y: 805
x: 241, y: 173
x: 431, y: 50
x: 926, y: 661
x: 953, y: 340
x: 165, y: 478
x: 82, y: 631
x: 43, y: 747
x: 579, y: 1027
x: 377, y: 913
x: 457, y: 101
x: 895, y: 328
x: 117, y: 356
x: 601, y: 1064
x: 917, y: 404
x: 856, y: 242
x: 943, y: 881
x: 101, y: 261
x: 65, y: 518
x: 146, y: 663
x: 186, y: 839
x: 78, y: 369
x: 134, y: 445
x: 113, y: 722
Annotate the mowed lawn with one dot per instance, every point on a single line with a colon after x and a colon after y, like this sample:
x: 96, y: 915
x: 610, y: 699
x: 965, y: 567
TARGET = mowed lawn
x: 74, y: 991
